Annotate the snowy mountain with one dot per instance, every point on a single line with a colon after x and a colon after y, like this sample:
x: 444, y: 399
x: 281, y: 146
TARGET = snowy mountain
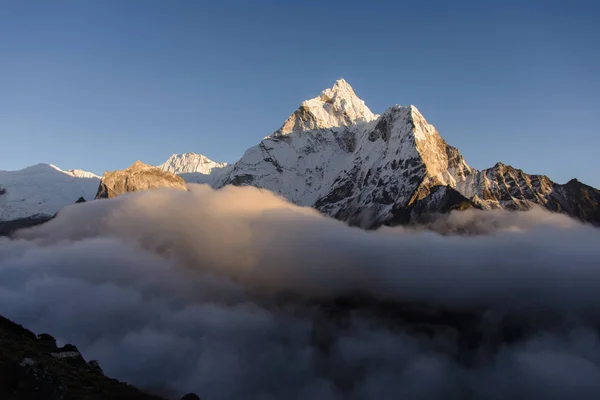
x: 335, y: 107
x: 334, y: 154
x: 190, y: 163
x: 195, y: 168
x: 78, y: 173
x: 42, y: 190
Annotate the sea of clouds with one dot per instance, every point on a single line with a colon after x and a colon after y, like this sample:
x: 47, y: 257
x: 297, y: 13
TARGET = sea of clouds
x: 236, y: 294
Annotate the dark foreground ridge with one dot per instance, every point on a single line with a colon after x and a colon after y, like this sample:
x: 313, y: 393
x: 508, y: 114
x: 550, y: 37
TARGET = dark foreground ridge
x: 7, y: 228
x: 33, y: 367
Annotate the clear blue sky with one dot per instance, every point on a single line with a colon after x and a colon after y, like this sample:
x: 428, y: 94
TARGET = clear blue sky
x: 98, y: 84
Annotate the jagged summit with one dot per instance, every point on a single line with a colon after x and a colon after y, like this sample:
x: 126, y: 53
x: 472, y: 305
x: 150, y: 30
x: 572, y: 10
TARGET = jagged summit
x: 342, y: 84
x: 335, y: 107
x: 340, y: 89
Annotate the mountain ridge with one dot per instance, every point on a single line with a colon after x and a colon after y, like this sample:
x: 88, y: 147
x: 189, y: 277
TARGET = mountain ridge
x: 189, y: 163
x: 384, y: 164
x: 334, y: 154
x: 42, y: 190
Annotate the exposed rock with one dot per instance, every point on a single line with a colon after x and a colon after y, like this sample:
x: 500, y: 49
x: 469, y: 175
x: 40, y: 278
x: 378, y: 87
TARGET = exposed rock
x: 137, y: 177
x: 440, y: 200
x: 69, y: 347
x: 66, y: 354
x: 95, y: 367
x: 576, y: 199
x: 80, y: 200
x: 190, y: 396
x: 47, y: 340
x: 27, y: 362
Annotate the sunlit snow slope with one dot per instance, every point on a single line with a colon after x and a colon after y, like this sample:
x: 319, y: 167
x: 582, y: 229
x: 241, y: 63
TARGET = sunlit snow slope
x: 43, y: 189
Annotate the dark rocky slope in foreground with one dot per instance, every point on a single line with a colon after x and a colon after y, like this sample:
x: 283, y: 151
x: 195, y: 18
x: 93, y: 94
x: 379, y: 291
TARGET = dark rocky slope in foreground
x: 33, y: 368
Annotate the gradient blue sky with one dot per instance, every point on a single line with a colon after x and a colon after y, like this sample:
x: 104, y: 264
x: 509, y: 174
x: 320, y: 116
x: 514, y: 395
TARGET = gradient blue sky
x: 98, y: 84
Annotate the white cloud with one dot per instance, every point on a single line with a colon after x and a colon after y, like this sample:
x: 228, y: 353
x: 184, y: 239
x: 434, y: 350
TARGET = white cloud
x: 232, y: 294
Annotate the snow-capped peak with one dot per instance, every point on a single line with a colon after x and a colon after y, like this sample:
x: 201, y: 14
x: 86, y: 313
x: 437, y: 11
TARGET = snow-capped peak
x: 190, y: 163
x: 334, y: 107
x: 43, y: 189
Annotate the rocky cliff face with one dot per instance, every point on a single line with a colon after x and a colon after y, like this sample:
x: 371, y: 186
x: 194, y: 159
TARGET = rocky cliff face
x: 137, y: 177
x: 334, y: 154
x: 576, y: 199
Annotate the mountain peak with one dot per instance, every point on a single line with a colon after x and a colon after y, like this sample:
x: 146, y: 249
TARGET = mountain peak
x: 341, y: 82
x: 340, y: 88
x: 139, y: 176
x: 190, y: 163
x: 139, y: 165
x: 335, y: 107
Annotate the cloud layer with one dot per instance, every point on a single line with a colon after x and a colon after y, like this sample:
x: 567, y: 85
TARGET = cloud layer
x: 238, y: 294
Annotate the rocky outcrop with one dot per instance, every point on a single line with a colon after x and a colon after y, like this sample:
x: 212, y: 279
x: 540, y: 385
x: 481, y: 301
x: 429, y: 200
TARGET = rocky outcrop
x: 137, y: 177
x: 440, y: 200
x: 576, y: 199
x: 503, y: 186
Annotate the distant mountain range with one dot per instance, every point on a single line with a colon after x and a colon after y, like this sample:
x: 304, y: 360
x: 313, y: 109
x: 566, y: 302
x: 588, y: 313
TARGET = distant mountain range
x: 335, y: 155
